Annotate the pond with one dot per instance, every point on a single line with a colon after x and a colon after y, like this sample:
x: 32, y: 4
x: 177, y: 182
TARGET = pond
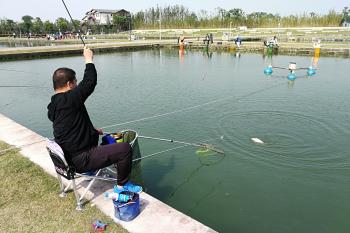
x: 297, y: 181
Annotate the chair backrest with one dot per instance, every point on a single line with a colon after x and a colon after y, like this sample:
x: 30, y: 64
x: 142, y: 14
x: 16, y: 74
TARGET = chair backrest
x: 59, y: 161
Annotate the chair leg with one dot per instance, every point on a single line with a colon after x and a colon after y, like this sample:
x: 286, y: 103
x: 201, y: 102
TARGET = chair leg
x: 89, y: 186
x: 62, y: 189
x: 68, y: 186
x: 79, y: 203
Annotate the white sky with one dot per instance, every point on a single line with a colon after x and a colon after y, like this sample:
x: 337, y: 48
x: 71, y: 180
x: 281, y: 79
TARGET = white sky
x: 52, y: 9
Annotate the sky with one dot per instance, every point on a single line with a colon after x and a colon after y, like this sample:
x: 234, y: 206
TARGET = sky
x: 53, y: 9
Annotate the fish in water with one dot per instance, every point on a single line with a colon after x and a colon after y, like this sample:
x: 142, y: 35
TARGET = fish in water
x: 257, y: 140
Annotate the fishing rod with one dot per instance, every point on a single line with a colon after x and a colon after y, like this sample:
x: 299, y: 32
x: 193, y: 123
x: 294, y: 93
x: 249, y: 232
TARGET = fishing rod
x: 28, y: 72
x: 81, y: 38
x: 143, y: 157
x: 171, y: 149
x: 202, y: 145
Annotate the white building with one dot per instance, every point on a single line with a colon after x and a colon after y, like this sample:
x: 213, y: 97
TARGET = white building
x: 102, y: 16
x: 346, y: 24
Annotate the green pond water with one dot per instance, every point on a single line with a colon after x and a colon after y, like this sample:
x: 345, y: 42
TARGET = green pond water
x: 297, y: 181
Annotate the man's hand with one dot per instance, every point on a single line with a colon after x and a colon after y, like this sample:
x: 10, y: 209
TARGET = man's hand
x: 88, y: 55
x: 100, y: 131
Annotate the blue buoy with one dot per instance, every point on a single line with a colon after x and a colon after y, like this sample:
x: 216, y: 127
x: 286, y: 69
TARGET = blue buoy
x: 310, y: 71
x: 291, y: 76
x: 268, y: 70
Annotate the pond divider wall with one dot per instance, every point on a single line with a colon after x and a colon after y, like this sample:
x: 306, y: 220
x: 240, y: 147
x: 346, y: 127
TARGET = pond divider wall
x: 248, y: 47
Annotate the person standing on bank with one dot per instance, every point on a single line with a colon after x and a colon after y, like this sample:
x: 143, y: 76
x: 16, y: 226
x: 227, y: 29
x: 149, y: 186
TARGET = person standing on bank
x: 74, y: 131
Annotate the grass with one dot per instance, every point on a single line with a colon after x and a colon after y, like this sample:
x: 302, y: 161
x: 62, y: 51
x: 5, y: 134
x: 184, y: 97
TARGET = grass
x: 30, y: 203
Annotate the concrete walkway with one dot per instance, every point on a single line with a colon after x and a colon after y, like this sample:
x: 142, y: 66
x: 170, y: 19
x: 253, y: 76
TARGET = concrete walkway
x: 51, y: 51
x: 155, y: 216
x: 287, y: 48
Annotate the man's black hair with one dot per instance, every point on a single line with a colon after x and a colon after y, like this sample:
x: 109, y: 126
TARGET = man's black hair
x: 61, y: 76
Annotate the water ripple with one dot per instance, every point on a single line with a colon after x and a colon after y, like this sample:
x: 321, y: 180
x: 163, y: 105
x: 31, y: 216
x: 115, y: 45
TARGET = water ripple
x: 291, y: 139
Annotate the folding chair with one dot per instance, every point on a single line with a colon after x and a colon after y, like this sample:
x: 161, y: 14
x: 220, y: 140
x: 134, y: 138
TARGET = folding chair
x: 67, y: 171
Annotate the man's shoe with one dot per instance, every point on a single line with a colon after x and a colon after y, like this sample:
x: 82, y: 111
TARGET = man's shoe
x: 130, y: 187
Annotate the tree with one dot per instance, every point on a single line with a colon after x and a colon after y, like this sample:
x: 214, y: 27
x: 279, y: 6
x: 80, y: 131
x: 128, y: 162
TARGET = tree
x: 221, y: 13
x: 7, y: 26
x: 121, y: 22
x: 62, y: 24
x: 237, y: 15
x: 49, y: 27
x: 27, y: 23
x: 38, y: 25
x: 346, y: 15
x: 76, y: 25
x: 10, y: 25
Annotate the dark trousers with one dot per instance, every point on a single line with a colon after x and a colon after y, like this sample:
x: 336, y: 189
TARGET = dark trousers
x: 99, y: 157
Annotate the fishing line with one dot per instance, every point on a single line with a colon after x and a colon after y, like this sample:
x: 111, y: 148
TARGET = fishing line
x: 160, y: 115
x: 81, y: 38
x: 19, y: 71
x: 28, y: 72
x: 20, y: 147
x: 160, y: 152
x: 202, y: 164
x: 192, y: 107
x: 23, y: 86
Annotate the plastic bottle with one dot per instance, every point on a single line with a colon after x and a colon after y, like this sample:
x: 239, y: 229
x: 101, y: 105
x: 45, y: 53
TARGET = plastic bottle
x: 118, y: 196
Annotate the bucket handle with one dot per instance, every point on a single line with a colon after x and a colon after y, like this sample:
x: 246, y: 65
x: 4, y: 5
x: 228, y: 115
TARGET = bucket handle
x: 122, y: 205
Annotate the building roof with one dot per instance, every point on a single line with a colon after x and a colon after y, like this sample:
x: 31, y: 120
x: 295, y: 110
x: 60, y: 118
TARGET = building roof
x: 105, y: 11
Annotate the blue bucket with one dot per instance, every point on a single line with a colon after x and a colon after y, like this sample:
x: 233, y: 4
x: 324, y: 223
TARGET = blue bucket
x: 129, y: 210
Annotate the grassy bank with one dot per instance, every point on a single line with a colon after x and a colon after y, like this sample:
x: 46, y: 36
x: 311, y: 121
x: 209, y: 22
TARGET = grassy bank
x: 30, y: 203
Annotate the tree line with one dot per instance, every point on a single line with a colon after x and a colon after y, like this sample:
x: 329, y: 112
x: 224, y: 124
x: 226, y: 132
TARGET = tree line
x: 178, y: 16
x: 181, y: 17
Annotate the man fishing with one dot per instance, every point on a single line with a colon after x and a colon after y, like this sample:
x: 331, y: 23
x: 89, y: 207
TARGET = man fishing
x: 74, y: 131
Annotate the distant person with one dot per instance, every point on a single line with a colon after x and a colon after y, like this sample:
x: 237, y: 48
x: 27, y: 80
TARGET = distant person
x: 211, y: 38
x: 74, y: 131
x: 206, y: 39
x: 238, y: 41
x: 273, y: 42
x: 181, y: 42
x: 265, y: 43
x: 14, y: 35
x: 317, y: 50
x: 317, y: 44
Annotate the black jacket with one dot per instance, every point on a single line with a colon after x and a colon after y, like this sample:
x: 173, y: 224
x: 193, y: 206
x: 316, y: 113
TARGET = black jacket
x: 72, y: 126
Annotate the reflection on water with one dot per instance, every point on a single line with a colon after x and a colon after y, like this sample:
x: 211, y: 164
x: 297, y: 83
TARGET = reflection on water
x: 297, y: 181
x: 25, y: 43
x: 33, y: 43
